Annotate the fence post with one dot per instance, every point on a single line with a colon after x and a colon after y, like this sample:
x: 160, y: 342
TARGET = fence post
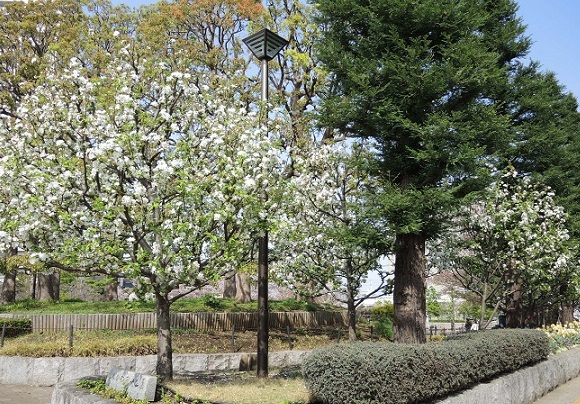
x: 289, y: 337
x: 372, y: 333
x: 3, y: 335
x: 233, y: 338
x: 70, y: 336
x: 338, y: 334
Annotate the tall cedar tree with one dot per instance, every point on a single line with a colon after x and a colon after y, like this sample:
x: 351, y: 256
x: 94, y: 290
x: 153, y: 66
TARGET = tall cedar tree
x: 422, y: 78
x: 546, y: 125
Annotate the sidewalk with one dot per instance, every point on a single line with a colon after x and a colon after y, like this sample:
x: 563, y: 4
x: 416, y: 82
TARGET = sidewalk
x: 22, y: 394
x: 568, y: 393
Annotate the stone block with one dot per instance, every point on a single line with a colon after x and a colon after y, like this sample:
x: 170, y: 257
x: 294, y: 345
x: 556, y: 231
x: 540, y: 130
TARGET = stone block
x: 46, y: 371
x: 120, y: 362
x: 136, y: 385
x: 76, y: 368
x: 146, y: 365
x: 188, y: 364
x: 223, y: 362
x: 16, y: 370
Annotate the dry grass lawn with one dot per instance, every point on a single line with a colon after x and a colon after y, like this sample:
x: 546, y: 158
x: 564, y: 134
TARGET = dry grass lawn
x: 245, y: 388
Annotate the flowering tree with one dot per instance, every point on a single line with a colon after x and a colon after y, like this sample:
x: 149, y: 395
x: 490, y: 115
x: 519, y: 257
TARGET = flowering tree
x: 509, y: 246
x: 149, y: 169
x: 329, y: 240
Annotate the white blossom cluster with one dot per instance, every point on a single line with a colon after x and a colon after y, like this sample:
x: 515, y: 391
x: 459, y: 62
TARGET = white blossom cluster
x: 143, y: 170
x: 517, y: 232
x: 321, y: 239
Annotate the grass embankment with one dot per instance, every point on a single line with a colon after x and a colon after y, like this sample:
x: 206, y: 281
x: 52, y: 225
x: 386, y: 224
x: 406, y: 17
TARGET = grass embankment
x: 208, y: 303
x: 237, y: 388
x: 144, y: 342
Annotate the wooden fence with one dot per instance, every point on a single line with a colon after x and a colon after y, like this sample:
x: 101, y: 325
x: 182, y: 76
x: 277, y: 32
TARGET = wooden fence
x: 195, y: 321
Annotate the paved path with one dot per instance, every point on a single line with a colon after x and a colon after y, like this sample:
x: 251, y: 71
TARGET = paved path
x: 568, y: 393
x: 21, y: 394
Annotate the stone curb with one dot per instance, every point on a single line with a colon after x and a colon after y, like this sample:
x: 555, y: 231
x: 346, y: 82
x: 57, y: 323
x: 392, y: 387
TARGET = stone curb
x: 50, y: 371
x: 521, y: 387
x: 524, y: 386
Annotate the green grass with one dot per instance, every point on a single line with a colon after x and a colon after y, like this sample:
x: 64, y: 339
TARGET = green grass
x: 208, y: 303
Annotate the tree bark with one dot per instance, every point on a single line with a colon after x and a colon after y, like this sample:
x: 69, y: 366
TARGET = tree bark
x: 230, y: 285
x: 243, y: 288
x: 111, y: 294
x: 514, y: 304
x: 351, y: 310
x: 409, y: 293
x: 164, y: 348
x: 237, y: 286
x: 483, y: 305
x: 9, y: 284
x: 9, y: 287
x: 567, y: 313
x: 49, y: 286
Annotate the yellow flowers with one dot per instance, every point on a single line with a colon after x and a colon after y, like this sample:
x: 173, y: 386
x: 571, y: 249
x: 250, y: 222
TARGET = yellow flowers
x: 563, y: 337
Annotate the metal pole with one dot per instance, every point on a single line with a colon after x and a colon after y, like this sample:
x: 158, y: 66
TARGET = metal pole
x: 263, y: 314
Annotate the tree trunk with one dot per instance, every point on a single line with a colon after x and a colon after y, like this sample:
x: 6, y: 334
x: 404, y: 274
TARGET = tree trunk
x: 514, y: 305
x: 49, y: 286
x: 243, y: 288
x: 111, y: 294
x: 34, y: 281
x: 230, y: 285
x: 409, y: 293
x: 237, y: 286
x: 483, y: 305
x: 567, y: 313
x: 351, y: 310
x: 164, y: 349
x: 9, y: 287
x: 9, y: 284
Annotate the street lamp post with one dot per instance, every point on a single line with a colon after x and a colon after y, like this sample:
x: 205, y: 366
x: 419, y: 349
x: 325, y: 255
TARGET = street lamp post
x: 265, y: 45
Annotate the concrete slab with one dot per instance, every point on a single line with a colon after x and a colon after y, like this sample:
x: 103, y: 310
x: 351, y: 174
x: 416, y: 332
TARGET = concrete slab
x: 136, y: 385
x: 568, y: 393
x: 24, y: 394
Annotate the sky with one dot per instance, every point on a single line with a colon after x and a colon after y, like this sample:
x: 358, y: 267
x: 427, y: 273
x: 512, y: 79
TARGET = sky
x: 554, y: 28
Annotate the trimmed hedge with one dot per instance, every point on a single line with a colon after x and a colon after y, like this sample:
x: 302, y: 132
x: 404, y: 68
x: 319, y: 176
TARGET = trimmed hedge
x: 368, y: 373
x: 16, y: 326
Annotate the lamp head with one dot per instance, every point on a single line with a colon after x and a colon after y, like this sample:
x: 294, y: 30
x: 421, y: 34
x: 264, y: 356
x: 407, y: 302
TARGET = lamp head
x: 265, y: 44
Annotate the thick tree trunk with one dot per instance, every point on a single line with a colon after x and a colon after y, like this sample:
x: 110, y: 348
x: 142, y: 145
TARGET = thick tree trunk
x: 34, y: 282
x: 409, y: 289
x: 9, y: 284
x: 483, y: 305
x: 164, y: 348
x: 514, y: 304
x: 230, y: 285
x: 567, y: 313
x: 9, y: 288
x: 237, y: 286
x: 351, y: 310
x: 49, y: 286
x: 243, y: 288
x: 111, y: 293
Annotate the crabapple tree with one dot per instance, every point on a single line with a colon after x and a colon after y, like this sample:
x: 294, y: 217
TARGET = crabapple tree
x: 149, y: 169
x: 330, y: 240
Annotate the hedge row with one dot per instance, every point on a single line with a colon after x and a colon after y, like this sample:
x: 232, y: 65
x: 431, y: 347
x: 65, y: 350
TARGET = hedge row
x: 15, y: 326
x: 368, y: 373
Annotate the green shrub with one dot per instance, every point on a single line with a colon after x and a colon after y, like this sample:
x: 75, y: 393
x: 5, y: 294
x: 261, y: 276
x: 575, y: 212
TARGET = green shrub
x: 384, y: 327
x: 16, y: 326
x: 369, y: 373
x: 382, y: 315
